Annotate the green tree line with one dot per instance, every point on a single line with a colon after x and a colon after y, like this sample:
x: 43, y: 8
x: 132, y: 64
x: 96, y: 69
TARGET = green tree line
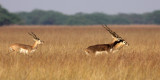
x: 7, y: 18
x: 41, y: 17
x: 52, y: 17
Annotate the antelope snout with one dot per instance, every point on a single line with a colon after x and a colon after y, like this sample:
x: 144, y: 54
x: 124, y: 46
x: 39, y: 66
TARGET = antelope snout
x: 127, y: 44
x: 42, y: 42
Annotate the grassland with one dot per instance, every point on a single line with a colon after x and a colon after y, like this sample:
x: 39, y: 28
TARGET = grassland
x: 61, y: 57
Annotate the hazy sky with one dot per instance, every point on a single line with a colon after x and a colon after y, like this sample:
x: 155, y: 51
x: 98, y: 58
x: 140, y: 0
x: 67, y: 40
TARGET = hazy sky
x: 86, y: 6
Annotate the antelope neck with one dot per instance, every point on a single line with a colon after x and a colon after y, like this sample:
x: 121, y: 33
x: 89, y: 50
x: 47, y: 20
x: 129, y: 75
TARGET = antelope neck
x: 35, y: 45
x: 115, y: 43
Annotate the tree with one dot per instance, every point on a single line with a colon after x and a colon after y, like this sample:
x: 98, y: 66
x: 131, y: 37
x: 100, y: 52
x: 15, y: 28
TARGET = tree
x: 7, y: 18
x: 41, y: 17
x: 156, y: 17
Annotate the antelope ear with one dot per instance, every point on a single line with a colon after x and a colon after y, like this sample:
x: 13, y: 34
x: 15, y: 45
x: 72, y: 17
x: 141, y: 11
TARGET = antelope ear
x: 118, y: 39
x: 34, y: 39
x: 112, y: 36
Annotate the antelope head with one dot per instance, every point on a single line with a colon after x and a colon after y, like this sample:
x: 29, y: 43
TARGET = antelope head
x: 115, y: 36
x: 35, y: 38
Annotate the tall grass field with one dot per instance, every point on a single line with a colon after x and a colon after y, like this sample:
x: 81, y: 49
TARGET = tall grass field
x: 62, y: 55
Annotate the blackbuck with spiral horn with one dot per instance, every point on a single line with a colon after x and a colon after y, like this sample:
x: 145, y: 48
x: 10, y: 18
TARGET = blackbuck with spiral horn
x: 26, y: 49
x: 113, y: 47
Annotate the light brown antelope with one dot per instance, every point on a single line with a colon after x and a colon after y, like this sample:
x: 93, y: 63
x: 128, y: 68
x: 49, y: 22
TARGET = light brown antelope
x: 116, y: 45
x: 22, y: 48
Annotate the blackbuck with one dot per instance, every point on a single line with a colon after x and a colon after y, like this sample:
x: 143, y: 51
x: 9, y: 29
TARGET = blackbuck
x: 22, y: 48
x: 113, y: 47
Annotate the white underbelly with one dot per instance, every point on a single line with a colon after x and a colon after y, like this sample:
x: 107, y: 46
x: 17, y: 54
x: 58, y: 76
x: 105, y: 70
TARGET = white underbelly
x: 32, y: 51
x: 25, y: 51
x: 101, y: 52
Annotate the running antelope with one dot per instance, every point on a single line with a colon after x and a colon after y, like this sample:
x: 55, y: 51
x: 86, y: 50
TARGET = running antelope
x: 116, y: 45
x: 22, y: 48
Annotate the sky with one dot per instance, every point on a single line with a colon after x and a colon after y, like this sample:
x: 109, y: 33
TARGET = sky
x: 85, y: 6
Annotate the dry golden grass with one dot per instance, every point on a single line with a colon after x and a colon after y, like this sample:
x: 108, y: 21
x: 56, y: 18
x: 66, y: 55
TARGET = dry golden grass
x: 62, y: 56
